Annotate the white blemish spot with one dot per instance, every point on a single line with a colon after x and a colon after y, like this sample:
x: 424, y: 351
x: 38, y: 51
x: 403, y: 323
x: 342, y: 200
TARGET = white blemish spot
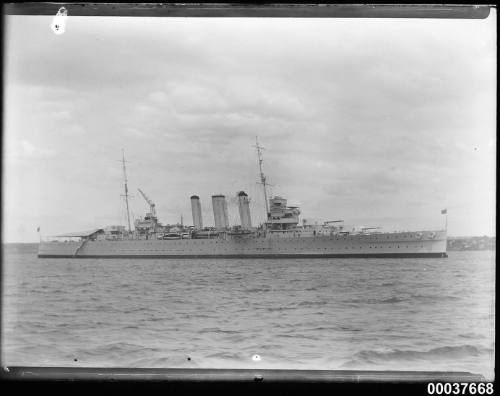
x: 256, y: 358
x: 58, y: 25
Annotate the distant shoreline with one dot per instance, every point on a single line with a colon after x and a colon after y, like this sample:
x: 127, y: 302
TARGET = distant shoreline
x: 471, y: 243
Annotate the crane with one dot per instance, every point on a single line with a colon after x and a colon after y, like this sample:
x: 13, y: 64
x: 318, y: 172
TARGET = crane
x: 152, y: 208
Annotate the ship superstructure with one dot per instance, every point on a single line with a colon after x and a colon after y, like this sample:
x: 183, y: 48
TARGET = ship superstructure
x: 280, y: 236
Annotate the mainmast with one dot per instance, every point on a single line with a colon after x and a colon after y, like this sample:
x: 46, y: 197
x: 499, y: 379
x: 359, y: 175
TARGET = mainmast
x: 262, y: 176
x: 125, y: 189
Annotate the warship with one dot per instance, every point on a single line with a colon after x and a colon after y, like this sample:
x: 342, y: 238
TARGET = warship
x: 281, y: 235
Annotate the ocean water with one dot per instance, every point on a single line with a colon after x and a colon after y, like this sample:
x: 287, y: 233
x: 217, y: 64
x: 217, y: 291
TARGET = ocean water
x: 373, y: 314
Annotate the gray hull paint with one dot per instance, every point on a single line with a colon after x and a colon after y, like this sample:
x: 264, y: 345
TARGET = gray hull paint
x: 388, y: 245
x: 262, y: 256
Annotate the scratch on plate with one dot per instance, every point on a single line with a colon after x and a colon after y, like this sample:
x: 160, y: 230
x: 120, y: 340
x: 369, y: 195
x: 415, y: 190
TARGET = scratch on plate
x: 58, y: 25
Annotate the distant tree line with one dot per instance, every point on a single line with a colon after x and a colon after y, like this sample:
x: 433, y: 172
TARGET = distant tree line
x: 471, y: 243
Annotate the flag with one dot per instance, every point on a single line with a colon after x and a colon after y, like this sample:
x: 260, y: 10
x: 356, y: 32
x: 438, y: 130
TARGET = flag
x: 444, y: 211
x: 38, y: 229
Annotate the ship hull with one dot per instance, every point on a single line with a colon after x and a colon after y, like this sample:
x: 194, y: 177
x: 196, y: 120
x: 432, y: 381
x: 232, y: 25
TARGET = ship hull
x: 263, y: 256
x: 384, y: 245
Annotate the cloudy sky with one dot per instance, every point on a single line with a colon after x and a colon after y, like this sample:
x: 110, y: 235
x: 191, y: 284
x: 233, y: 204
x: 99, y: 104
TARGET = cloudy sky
x: 379, y: 122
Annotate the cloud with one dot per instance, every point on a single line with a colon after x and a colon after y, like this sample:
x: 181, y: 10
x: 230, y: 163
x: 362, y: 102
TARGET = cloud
x: 25, y: 150
x: 358, y: 117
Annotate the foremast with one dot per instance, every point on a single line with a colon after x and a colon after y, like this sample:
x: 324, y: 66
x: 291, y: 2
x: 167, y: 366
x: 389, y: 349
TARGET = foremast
x: 125, y: 187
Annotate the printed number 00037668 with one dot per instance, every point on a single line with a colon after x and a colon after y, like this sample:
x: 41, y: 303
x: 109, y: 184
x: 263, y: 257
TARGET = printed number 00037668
x: 462, y: 388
